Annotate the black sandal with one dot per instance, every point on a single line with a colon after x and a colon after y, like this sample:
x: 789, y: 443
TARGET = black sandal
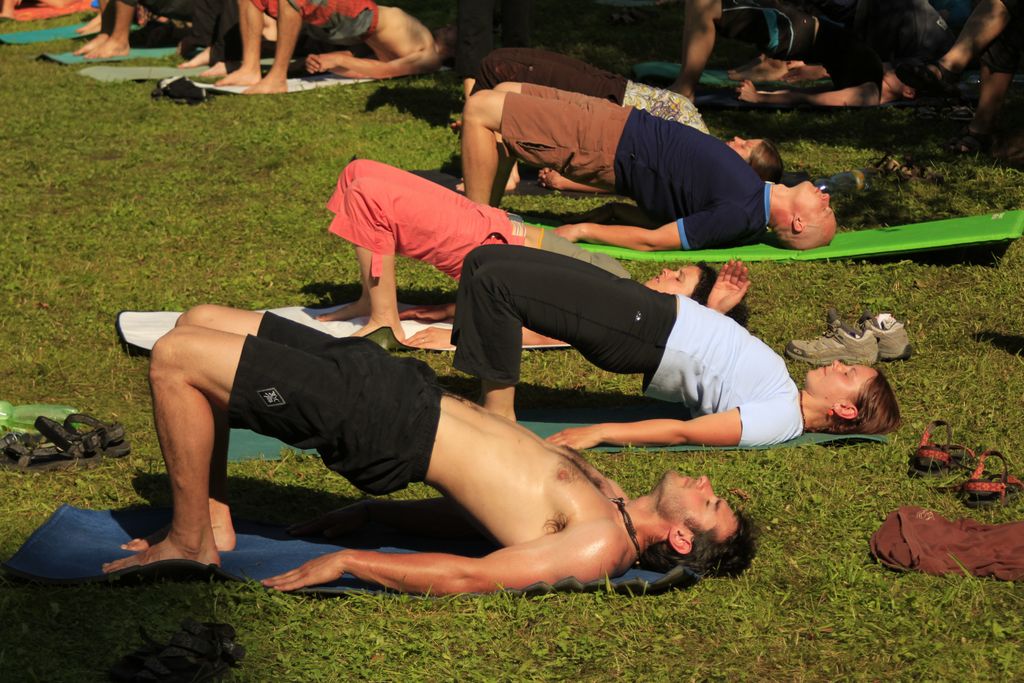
x: 101, y: 437
x: 198, y: 652
x: 923, y: 79
x: 30, y: 452
x: 969, y: 142
x: 936, y: 459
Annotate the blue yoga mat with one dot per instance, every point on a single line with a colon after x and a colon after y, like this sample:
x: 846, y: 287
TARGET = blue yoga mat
x: 248, y: 445
x: 71, y: 546
x: 44, y: 35
x: 134, y: 53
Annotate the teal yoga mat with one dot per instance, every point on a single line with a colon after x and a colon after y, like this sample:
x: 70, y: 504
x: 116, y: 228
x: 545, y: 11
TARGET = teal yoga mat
x: 902, y: 239
x: 248, y: 445
x: 134, y: 53
x: 42, y: 36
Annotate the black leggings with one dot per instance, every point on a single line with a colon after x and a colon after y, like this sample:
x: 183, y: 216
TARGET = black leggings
x: 617, y: 324
x: 540, y: 67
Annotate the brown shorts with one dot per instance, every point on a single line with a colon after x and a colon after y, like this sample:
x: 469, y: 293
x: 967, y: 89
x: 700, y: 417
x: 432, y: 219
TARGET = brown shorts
x: 571, y: 133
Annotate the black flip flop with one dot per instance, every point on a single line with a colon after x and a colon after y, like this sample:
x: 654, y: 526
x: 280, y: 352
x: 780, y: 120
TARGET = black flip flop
x: 198, y: 652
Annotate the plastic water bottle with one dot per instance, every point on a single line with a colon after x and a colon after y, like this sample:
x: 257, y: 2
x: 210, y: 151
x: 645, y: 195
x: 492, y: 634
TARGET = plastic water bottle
x: 23, y: 418
x: 845, y: 182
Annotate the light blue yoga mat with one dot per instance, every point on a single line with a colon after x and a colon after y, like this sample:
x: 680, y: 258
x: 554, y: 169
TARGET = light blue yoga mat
x: 134, y: 53
x: 71, y: 547
x: 44, y: 35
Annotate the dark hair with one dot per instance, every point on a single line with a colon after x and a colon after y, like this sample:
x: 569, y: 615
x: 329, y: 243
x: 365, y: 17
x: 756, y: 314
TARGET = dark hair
x: 766, y: 161
x: 877, y: 410
x: 708, y: 275
x: 708, y: 557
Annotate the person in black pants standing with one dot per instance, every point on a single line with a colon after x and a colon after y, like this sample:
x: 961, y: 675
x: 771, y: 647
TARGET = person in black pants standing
x: 476, y: 33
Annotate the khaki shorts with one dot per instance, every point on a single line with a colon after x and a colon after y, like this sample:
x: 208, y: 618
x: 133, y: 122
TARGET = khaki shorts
x: 571, y: 133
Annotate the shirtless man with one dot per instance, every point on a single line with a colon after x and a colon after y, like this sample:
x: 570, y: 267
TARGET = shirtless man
x: 383, y: 422
x: 693, y: 191
x: 402, y: 45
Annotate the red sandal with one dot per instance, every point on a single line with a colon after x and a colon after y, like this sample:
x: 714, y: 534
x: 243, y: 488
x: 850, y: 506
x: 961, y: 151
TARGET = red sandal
x: 935, y: 459
x: 984, y: 490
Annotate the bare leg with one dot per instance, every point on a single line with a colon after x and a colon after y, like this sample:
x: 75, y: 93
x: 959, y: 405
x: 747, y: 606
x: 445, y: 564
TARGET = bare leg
x: 191, y: 375
x: 549, y: 177
x: 289, y: 24
x: 107, y: 20
x: 7, y: 9
x: 498, y: 398
x: 698, y: 42
x: 117, y: 44
x: 986, y: 22
x: 762, y: 69
x: 250, y: 23
x: 481, y: 120
x: 379, y: 298
x: 93, y: 25
x: 222, y: 319
x: 201, y: 59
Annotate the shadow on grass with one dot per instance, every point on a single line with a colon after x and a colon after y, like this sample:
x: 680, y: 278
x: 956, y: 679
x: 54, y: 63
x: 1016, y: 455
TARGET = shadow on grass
x: 332, y: 294
x: 1011, y: 343
x: 253, y: 499
x: 433, y: 106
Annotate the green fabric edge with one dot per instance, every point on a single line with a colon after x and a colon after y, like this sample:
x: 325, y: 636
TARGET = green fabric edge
x: 903, y: 239
x: 134, y: 53
x: 248, y: 445
x: 44, y: 35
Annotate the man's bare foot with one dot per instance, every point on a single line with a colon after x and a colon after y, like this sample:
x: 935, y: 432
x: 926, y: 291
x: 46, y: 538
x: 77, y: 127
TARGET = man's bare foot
x: 92, y: 26
x: 109, y: 49
x: 267, y: 87
x: 201, y: 59
x: 167, y: 549
x: 7, y: 15
x: 354, y: 310
x: 92, y: 44
x: 223, y: 532
x: 241, y: 77
x: 218, y: 69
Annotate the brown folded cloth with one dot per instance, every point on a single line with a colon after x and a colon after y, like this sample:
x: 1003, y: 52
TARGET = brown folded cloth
x: 914, y: 538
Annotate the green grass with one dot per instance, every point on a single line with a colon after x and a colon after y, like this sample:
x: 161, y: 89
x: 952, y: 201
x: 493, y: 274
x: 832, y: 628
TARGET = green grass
x: 112, y: 201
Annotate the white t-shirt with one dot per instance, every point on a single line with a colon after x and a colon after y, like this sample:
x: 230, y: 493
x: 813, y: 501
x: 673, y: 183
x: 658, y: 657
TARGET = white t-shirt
x: 712, y: 365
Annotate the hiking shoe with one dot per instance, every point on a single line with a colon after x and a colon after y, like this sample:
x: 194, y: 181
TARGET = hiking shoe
x: 840, y: 342
x: 893, y: 342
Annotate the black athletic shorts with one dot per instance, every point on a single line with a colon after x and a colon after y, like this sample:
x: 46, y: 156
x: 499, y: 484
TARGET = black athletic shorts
x: 372, y: 417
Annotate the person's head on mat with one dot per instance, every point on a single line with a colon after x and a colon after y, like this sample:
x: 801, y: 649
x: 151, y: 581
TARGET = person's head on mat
x: 801, y: 217
x: 762, y: 155
x: 849, y: 399
x: 697, y: 281
x: 724, y: 539
x: 445, y: 38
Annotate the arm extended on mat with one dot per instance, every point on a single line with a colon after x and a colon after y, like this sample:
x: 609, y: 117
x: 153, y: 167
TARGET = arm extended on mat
x: 663, y: 238
x: 344, y: 64
x: 863, y: 95
x: 720, y: 429
x: 431, y: 517
x: 587, y: 551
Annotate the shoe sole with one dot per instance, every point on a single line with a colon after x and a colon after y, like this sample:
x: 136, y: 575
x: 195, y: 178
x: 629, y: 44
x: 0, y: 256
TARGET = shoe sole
x: 905, y: 354
x: 868, y: 360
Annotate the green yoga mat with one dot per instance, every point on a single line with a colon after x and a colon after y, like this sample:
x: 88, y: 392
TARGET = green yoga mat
x: 120, y: 74
x: 903, y: 239
x: 134, y: 53
x: 43, y: 35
